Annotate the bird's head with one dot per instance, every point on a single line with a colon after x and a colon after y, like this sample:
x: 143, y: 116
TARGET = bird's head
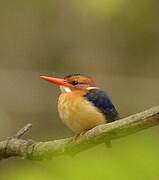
x: 72, y: 82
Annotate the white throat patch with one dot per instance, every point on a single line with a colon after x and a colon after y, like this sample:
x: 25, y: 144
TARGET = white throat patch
x: 65, y: 89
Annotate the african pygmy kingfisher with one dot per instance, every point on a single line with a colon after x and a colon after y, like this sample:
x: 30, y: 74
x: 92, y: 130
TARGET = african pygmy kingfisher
x: 82, y: 105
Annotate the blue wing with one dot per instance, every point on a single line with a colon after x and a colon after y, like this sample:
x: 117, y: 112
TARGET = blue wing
x: 102, y: 102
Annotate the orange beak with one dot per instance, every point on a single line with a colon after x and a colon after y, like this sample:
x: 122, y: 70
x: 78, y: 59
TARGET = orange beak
x: 57, y: 81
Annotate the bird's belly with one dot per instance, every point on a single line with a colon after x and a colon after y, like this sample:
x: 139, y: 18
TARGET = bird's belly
x: 79, y: 114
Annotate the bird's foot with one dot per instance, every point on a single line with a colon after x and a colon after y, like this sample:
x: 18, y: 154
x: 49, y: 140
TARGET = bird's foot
x: 77, y: 136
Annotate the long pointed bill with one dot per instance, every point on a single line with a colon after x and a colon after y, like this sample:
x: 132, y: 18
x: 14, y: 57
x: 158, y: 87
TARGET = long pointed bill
x: 57, y: 81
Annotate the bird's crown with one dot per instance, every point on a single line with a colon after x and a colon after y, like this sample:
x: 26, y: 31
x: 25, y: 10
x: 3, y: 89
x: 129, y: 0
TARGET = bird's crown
x: 79, y: 79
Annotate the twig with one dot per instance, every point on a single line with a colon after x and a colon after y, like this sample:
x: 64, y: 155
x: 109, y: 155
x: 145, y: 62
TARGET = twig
x: 22, y: 131
x: 100, y: 134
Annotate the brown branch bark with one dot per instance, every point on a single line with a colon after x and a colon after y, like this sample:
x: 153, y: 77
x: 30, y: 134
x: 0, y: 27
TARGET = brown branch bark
x: 30, y: 149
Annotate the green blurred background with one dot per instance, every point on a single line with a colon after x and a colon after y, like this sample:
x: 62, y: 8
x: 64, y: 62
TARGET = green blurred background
x: 114, y: 41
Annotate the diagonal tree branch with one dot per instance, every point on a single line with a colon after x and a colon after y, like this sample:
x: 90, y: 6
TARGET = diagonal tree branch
x: 30, y: 149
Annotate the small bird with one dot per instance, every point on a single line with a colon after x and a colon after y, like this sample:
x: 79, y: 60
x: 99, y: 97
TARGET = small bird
x: 82, y: 105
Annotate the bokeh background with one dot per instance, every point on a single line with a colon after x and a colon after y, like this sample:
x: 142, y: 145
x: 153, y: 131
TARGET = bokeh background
x: 114, y: 41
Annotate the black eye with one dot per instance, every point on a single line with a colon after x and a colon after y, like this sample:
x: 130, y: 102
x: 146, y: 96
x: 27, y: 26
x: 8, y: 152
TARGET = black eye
x: 74, y: 82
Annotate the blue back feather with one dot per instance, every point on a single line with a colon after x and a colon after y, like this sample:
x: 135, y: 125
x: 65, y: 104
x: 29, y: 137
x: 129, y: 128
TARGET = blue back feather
x: 102, y: 101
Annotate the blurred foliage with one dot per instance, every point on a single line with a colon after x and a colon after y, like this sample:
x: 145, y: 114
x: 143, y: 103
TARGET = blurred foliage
x: 100, y: 8
x: 114, y: 41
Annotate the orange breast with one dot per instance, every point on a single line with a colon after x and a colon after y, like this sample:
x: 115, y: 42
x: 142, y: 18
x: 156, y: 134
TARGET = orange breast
x: 78, y: 113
